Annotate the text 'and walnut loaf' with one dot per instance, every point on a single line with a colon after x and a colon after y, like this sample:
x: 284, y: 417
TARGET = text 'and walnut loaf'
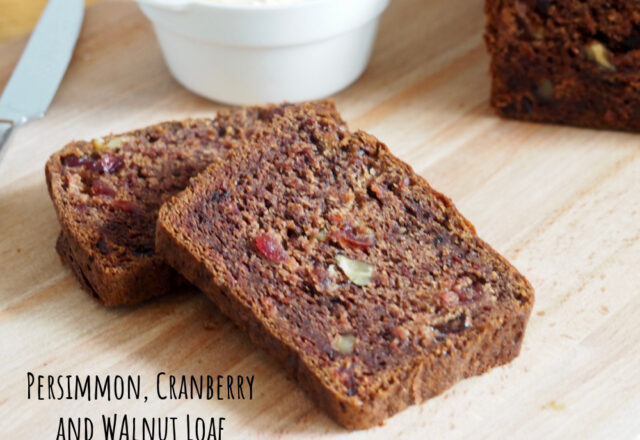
x: 366, y: 284
x: 107, y: 193
x: 570, y: 62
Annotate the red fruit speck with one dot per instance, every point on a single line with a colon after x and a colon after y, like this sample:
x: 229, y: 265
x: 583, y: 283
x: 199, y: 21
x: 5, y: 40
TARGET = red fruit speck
x: 130, y: 207
x: 449, y: 299
x: 107, y: 164
x: 348, y: 237
x: 100, y: 188
x: 271, y: 248
x: 110, y: 164
x: 77, y: 161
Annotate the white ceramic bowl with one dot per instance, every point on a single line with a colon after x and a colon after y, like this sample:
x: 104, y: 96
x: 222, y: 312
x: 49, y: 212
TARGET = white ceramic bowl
x: 242, y: 53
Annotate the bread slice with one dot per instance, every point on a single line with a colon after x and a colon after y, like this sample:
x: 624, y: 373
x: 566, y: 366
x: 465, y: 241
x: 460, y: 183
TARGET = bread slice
x: 366, y: 284
x: 107, y: 193
x: 566, y: 62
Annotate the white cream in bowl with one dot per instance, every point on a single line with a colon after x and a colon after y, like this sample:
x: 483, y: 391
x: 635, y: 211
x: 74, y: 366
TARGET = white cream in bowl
x: 258, y: 51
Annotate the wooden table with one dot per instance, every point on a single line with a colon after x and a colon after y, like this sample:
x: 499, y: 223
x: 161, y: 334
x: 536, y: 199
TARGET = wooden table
x: 19, y: 16
x: 562, y: 204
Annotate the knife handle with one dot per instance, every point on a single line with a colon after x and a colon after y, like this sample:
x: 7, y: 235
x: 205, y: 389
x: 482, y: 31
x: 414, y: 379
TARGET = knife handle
x: 5, y: 130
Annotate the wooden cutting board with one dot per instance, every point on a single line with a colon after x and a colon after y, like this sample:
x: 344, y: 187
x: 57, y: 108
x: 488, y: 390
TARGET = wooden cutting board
x: 562, y: 204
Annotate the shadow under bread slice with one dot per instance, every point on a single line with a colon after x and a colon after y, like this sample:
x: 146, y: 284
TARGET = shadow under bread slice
x: 362, y: 281
x: 107, y: 192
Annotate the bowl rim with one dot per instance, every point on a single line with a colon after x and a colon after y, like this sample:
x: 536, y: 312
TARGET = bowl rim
x: 290, y: 24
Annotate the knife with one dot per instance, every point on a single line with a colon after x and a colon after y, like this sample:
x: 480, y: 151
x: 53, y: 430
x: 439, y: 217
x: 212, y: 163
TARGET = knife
x: 36, y: 78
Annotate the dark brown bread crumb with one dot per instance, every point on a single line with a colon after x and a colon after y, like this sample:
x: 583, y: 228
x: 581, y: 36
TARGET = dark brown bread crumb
x: 107, y: 193
x: 366, y: 284
x: 571, y: 62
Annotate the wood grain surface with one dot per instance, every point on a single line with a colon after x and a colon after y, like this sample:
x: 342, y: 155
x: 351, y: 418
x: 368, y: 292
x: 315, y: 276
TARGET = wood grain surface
x: 562, y: 204
x: 18, y: 17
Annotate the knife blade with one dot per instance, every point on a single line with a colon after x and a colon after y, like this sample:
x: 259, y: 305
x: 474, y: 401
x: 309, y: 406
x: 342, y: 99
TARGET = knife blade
x: 36, y: 78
